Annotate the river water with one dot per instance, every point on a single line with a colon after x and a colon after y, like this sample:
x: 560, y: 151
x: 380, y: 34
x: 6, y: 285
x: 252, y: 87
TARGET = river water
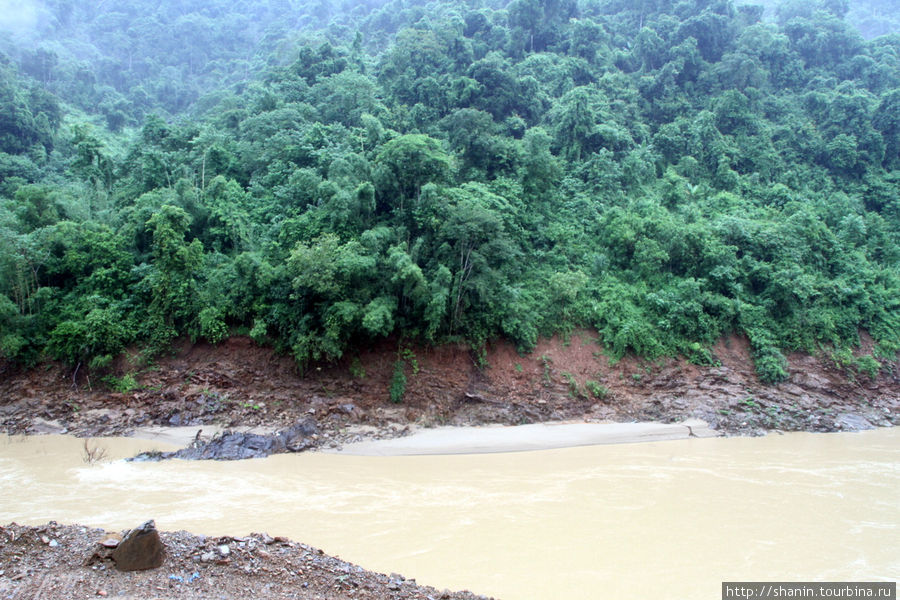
x: 666, y: 519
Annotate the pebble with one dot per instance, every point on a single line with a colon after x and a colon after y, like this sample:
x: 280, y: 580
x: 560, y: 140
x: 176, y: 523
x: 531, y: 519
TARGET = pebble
x: 53, y: 543
x: 208, y: 557
x: 45, y: 539
x: 224, y: 550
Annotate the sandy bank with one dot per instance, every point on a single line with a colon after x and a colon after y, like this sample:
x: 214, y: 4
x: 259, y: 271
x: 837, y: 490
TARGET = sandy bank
x: 520, y: 438
x: 467, y: 440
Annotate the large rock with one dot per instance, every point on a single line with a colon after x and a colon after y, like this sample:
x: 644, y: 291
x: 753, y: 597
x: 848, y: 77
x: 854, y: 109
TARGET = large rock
x: 141, y: 549
x: 852, y: 422
x: 231, y: 445
x: 234, y: 445
x: 299, y: 437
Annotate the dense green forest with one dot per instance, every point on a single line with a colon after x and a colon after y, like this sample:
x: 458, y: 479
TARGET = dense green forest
x: 320, y: 175
x: 871, y: 18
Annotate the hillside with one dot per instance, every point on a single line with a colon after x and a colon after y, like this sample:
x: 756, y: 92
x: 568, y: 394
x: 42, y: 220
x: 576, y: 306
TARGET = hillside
x: 418, y: 175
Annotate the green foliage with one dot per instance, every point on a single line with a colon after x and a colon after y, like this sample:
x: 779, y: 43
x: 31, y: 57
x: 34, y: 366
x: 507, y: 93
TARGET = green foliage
x: 865, y: 364
x: 356, y: 369
x: 212, y: 326
x: 123, y: 385
x: 405, y: 164
x: 667, y: 173
x: 29, y: 116
x: 547, y: 364
x: 699, y: 355
x: 379, y: 316
x: 94, y: 333
x: 771, y: 366
x: 12, y: 342
x: 398, y: 381
x: 598, y: 391
x: 409, y: 357
x: 172, y: 278
x: 869, y: 365
x: 572, y: 384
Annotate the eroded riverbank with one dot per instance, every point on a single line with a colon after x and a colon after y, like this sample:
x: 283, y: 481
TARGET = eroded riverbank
x: 239, y: 385
x: 658, y: 519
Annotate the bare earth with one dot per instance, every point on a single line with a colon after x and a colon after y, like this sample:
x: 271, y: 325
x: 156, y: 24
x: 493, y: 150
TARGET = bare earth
x: 238, y: 384
x: 50, y: 562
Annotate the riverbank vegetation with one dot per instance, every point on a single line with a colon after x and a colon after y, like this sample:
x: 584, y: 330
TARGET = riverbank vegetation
x: 324, y: 176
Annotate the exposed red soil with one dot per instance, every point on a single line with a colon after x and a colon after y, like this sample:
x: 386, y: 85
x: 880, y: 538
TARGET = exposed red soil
x: 238, y: 383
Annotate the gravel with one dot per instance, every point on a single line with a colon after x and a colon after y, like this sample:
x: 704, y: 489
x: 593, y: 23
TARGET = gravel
x: 73, y: 563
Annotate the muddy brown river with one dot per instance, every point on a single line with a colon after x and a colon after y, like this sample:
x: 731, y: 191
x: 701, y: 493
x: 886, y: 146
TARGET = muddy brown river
x: 668, y: 519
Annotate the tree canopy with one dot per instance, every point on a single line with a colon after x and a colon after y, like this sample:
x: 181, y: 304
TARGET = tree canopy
x: 321, y: 175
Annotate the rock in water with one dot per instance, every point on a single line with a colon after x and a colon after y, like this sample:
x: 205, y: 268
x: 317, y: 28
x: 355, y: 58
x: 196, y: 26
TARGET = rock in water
x: 141, y: 549
x: 233, y: 445
x: 852, y: 422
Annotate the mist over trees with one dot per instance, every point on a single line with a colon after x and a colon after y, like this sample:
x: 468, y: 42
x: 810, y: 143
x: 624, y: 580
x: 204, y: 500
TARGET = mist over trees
x: 320, y: 175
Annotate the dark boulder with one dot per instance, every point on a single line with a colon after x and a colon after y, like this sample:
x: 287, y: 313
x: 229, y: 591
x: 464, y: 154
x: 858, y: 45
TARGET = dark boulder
x: 230, y: 446
x: 233, y: 445
x: 140, y: 550
x: 298, y: 437
x: 852, y: 422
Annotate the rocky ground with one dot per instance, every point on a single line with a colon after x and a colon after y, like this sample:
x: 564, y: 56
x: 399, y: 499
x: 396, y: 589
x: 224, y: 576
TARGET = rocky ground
x: 239, y: 384
x: 70, y: 562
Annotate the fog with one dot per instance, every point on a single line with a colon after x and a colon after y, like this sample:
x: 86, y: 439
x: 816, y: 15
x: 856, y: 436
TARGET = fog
x: 19, y: 16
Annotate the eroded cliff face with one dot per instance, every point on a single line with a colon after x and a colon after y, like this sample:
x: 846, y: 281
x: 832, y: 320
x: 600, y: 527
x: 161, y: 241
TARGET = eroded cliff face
x: 238, y: 383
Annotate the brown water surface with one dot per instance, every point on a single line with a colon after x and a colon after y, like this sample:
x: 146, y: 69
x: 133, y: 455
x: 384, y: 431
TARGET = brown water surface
x: 663, y: 519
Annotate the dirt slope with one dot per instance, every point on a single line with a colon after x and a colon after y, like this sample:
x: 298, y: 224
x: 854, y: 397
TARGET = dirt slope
x: 238, y: 383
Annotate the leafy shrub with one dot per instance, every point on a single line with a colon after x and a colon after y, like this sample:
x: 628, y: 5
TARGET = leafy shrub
x: 398, y: 382
x: 771, y: 365
x: 357, y: 371
x: 212, y: 326
x: 258, y: 332
x: 124, y: 384
x: 99, y: 332
x: 572, y: 383
x: 698, y: 355
x: 868, y: 364
x: 596, y: 389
